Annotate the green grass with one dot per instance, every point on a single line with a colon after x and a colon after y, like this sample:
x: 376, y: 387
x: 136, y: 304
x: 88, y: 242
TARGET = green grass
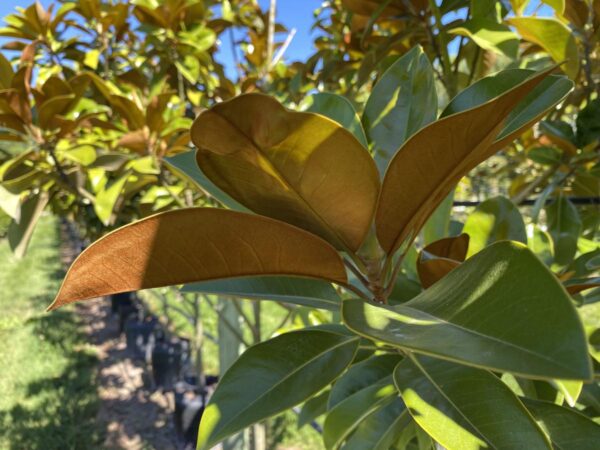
x: 48, y: 396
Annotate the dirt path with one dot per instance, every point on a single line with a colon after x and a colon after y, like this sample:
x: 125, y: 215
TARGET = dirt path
x: 131, y: 416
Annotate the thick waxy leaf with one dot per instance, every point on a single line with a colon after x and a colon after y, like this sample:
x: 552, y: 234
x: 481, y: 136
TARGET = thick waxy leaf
x: 440, y: 257
x: 567, y: 429
x: 553, y: 36
x: 564, y: 225
x: 464, y: 408
x: 337, y: 108
x: 543, y: 97
x: 196, y: 244
x: 186, y: 163
x: 429, y: 165
x: 313, y: 408
x: 362, y: 375
x: 107, y: 199
x: 271, y: 377
x: 381, y: 429
x: 488, y: 312
x: 299, y: 291
x: 298, y: 167
x: 345, y: 417
x: 21, y: 230
x: 438, y: 225
x: 402, y: 102
x: 496, y: 219
x: 490, y: 35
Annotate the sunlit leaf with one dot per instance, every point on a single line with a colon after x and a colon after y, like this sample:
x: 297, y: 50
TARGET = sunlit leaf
x: 553, y: 36
x: 298, y: 167
x: 21, y: 230
x: 429, y: 165
x: 490, y: 35
x: 488, y: 312
x: 464, y: 408
x: 196, y: 244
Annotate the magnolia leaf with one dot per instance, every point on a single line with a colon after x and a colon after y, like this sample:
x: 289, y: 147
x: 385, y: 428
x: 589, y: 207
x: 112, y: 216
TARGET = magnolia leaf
x: 381, y: 429
x: 186, y: 163
x: 431, y: 163
x: 337, y: 108
x: 21, y: 231
x: 360, y: 376
x: 53, y: 107
x: 313, y: 408
x: 299, y: 291
x: 543, y: 97
x: 196, y: 244
x: 464, y: 408
x: 540, y: 243
x: 440, y: 257
x: 298, y: 167
x: 553, y: 36
x: 402, y: 102
x: 345, y: 417
x: 567, y: 429
x: 107, y: 199
x: 488, y: 312
x: 10, y: 203
x: 496, y: 219
x: 490, y: 35
x: 564, y: 225
x: 438, y: 224
x: 271, y: 377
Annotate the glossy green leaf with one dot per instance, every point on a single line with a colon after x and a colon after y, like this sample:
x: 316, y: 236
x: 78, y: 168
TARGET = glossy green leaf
x: 564, y: 225
x: 495, y: 219
x: 381, y: 429
x: 488, y: 312
x: 21, y: 230
x: 541, y: 98
x: 438, y: 225
x: 430, y: 164
x: 361, y: 376
x: 107, y: 198
x: 337, y: 108
x: 10, y: 203
x: 271, y: 377
x: 402, y: 102
x: 186, y: 163
x: 342, y: 419
x: 299, y: 291
x: 490, y: 35
x: 540, y: 243
x: 553, y: 36
x: 567, y: 428
x: 313, y: 408
x: 464, y: 408
x: 298, y: 167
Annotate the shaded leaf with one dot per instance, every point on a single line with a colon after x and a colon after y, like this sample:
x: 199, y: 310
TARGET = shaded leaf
x: 440, y: 257
x: 496, y: 219
x: 299, y: 291
x: 564, y: 225
x: 271, y: 377
x: 196, y: 244
x: 402, y: 102
x: 567, y: 428
x: 21, y: 230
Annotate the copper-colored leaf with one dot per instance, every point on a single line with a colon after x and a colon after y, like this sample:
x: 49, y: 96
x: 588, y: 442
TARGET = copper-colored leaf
x: 298, y: 167
x: 196, y: 244
x: 136, y: 141
x: 53, y: 107
x: 433, y: 160
x: 440, y: 257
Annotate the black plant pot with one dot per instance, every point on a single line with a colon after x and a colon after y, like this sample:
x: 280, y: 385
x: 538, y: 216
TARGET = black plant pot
x: 120, y: 299
x: 169, y: 358
x: 127, y: 311
x: 190, y: 402
x: 137, y: 335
